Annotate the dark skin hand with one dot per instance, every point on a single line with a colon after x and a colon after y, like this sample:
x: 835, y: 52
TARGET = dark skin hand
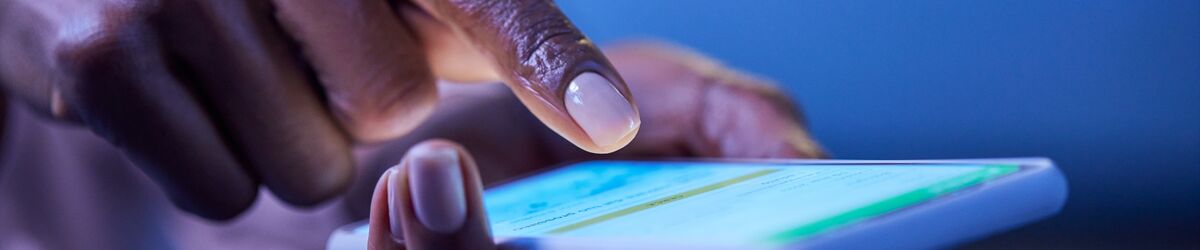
x: 212, y: 98
x: 692, y: 107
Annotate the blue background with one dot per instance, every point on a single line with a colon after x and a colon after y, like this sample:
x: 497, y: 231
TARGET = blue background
x: 1108, y: 89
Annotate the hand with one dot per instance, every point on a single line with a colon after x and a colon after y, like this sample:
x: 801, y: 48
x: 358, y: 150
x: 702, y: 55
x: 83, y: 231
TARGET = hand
x: 213, y: 97
x: 693, y: 107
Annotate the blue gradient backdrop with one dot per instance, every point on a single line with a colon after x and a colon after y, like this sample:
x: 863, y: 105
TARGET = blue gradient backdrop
x: 1108, y: 89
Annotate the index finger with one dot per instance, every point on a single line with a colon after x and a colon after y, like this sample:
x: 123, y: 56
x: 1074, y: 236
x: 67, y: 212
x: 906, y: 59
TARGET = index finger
x: 550, y: 65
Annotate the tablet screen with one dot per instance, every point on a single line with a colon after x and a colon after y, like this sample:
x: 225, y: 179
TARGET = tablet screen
x: 723, y: 203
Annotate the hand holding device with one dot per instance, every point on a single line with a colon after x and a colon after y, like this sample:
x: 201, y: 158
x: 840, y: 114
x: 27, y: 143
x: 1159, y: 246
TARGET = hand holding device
x: 691, y: 107
x: 213, y: 97
x: 801, y: 204
x: 685, y: 88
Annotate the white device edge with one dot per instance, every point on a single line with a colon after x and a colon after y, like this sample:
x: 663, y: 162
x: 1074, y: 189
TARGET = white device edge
x: 945, y: 221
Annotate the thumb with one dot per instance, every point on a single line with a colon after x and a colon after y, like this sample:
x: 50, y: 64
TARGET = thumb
x: 551, y: 67
x: 432, y: 200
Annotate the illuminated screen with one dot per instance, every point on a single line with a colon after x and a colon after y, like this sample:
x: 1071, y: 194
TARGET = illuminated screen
x: 728, y: 203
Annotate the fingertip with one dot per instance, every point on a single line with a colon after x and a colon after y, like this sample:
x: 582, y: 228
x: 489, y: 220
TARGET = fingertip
x: 608, y: 117
x: 436, y: 199
x: 436, y: 186
x: 384, y: 232
x: 392, y: 179
x: 556, y: 71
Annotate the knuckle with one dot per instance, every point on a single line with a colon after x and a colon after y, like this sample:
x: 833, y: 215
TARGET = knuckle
x: 538, y: 36
x: 745, y: 94
x: 110, y: 31
x: 58, y: 45
x: 540, y: 31
x: 752, y: 88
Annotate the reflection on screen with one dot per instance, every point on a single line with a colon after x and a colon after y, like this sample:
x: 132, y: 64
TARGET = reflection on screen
x: 713, y: 202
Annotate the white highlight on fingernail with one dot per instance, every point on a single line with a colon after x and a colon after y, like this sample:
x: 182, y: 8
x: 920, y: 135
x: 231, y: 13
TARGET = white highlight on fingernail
x: 607, y: 117
x: 436, y: 182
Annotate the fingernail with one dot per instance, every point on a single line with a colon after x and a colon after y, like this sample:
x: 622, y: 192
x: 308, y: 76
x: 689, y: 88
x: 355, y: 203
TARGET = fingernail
x: 393, y: 176
x: 436, y: 182
x: 603, y: 113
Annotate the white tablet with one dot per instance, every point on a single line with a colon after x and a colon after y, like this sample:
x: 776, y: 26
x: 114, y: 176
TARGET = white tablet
x: 755, y: 204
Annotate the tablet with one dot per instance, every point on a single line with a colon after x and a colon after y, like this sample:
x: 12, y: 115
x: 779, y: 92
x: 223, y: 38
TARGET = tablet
x: 755, y: 204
